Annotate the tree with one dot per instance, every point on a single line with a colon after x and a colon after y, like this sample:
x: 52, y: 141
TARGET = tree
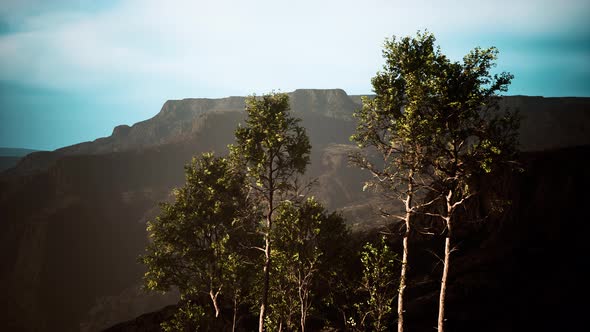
x: 303, y: 232
x: 274, y: 148
x: 436, y: 124
x: 188, y: 317
x: 396, y: 135
x: 196, y: 240
x: 471, y: 137
x: 379, y: 285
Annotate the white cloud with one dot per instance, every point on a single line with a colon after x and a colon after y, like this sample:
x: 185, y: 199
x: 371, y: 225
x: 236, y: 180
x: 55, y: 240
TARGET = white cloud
x: 242, y: 45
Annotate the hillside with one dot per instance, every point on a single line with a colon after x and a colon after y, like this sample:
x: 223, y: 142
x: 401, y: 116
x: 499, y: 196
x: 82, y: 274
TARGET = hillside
x: 73, y: 220
x: 518, y: 270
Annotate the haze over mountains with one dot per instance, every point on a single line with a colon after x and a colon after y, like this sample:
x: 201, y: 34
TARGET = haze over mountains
x: 73, y: 220
x: 9, y: 157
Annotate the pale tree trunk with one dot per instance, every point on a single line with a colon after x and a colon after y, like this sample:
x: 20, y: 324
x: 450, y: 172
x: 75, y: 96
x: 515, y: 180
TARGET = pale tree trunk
x: 402, y: 279
x: 214, y: 300
x: 445, y: 275
x: 266, y: 269
x: 443, y: 284
x: 404, y: 270
x: 266, y: 276
x: 303, y: 314
x: 233, y: 325
x: 303, y: 306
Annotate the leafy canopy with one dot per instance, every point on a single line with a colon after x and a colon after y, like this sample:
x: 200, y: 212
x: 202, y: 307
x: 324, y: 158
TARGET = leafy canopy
x: 396, y: 122
x: 195, y: 236
x: 433, y: 115
x: 305, y: 238
x: 272, y: 144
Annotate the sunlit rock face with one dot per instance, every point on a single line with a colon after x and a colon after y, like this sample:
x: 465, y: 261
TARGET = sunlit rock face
x: 73, y: 220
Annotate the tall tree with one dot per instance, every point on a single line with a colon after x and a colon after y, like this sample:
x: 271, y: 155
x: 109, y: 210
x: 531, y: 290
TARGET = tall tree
x: 275, y: 149
x: 397, y: 139
x: 435, y: 124
x: 196, y: 239
x: 471, y: 137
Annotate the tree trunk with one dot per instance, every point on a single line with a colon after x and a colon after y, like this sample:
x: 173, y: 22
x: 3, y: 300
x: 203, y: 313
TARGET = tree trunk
x: 302, y: 320
x: 214, y: 300
x: 266, y: 269
x: 402, y: 278
x: 445, y: 275
x: 233, y: 325
x: 266, y: 278
x: 302, y: 306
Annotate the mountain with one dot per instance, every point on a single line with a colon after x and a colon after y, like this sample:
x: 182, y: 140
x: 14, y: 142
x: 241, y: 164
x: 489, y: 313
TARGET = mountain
x: 9, y: 157
x: 15, y: 152
x: 72, y: 221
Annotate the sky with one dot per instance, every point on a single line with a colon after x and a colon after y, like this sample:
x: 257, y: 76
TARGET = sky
x: 71, y: 70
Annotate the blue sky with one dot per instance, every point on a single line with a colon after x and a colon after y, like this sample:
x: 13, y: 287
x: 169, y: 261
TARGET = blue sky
x: 71, y: 70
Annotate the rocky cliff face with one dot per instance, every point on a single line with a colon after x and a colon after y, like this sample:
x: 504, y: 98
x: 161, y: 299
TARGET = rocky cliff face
x: 73, y: 220
x: 548, y: 123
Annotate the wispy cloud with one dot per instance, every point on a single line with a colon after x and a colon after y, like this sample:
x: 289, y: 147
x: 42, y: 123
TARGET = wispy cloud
x: 70, y: 70
x: 245, y: 45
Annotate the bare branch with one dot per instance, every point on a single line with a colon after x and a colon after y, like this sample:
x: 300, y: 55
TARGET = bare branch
x: 462, y: 200
x: 438, y: 215
x: 387, y: 214
x: 435, y: 255
x: 423, y: 205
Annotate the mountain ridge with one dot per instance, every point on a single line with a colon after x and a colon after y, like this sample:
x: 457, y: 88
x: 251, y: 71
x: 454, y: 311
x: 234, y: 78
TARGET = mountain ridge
x: 303, y: 102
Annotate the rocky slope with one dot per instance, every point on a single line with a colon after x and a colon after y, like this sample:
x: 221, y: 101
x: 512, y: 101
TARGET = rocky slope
x: 72, y: 221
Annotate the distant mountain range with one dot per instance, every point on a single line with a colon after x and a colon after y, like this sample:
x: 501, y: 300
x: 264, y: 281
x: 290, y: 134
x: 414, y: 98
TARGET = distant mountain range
x: 15, y: 152
x: 9, y: 157
x: 72, y: 221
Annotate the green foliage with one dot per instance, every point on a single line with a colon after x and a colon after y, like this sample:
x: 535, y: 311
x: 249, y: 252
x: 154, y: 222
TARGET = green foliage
x: 187, y: 317
x: 433, y: 114
x: 472, y: 135
x: 304, y: 233
x: 275, y: 149
x: 196, y: 241
x: 435, y: 123
x: 396, y: 124
x: 378, y: 287
x: 273, y: 145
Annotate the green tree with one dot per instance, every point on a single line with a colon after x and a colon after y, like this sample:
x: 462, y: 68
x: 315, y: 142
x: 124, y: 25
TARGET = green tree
x: 472, y: 137
x: 196, y: 241
x: 303, y: 233
x: 274, y: 148
x: 436, y: 124
x: 395, y: 134
x: 378, y: 284
x: 188, y: 317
